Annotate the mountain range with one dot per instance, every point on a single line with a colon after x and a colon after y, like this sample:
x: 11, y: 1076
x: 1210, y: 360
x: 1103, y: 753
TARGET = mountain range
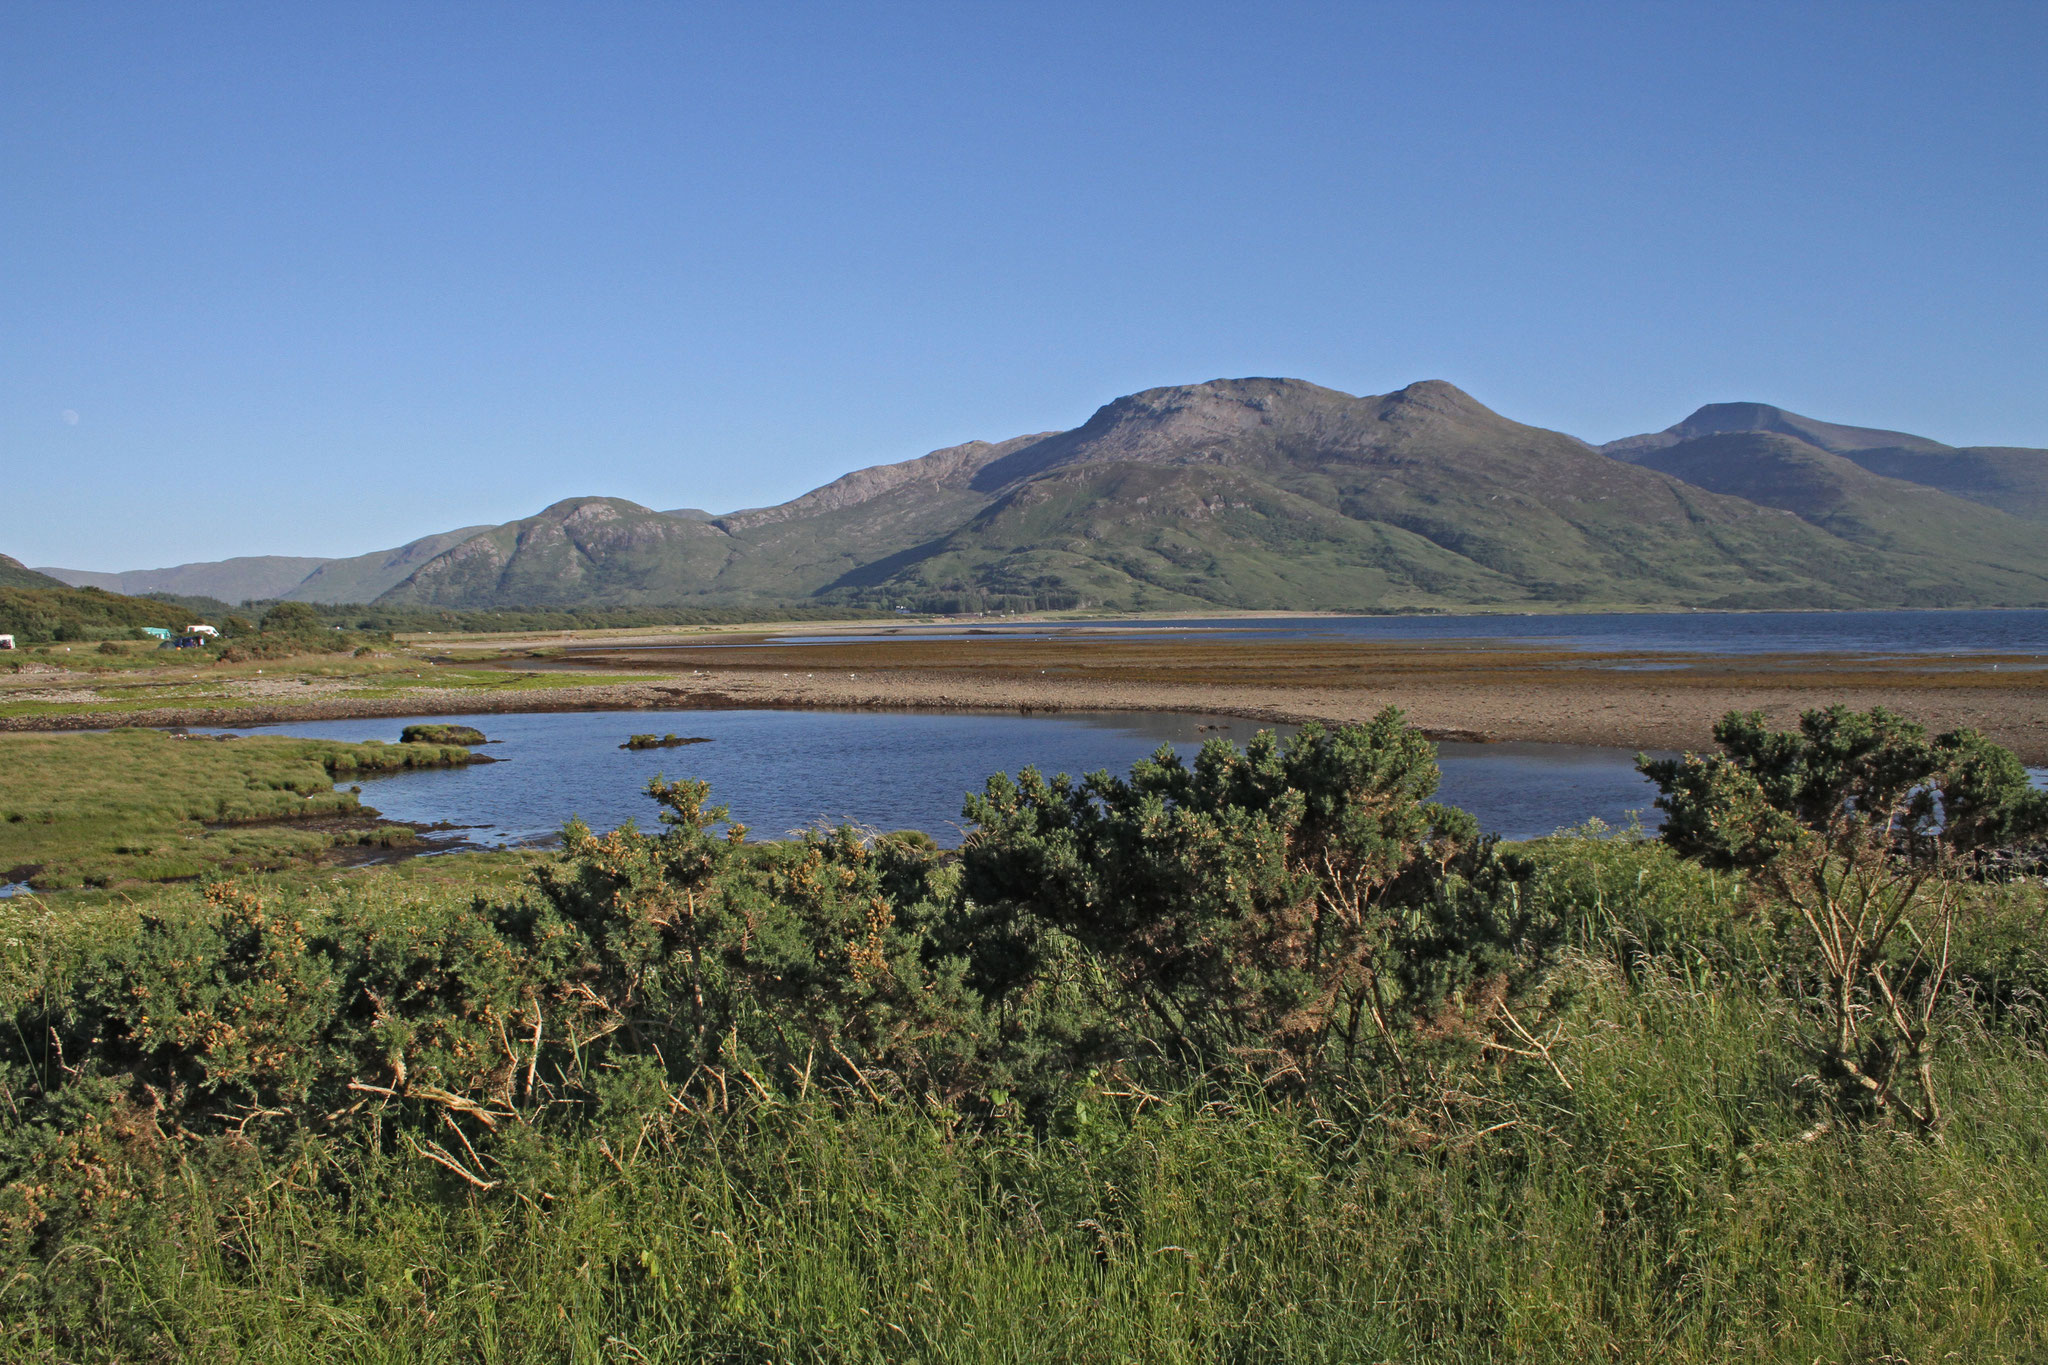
x: 1274, y: 494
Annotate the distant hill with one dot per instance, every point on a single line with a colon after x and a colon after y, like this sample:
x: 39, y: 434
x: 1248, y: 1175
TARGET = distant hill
x: 1280, y: 494
x: 1843, y: 497
x: 365, y: 578
x: 14, y: 574
x: 2012, y: 479
x: 362, y: 578
x: 1719, y: 418
x: 230, y: 580
x: 580, y: 551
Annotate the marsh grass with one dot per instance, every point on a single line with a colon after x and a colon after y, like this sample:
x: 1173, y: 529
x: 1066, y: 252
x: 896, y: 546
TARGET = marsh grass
x: 140, y: 805
x: 1666, y: 1206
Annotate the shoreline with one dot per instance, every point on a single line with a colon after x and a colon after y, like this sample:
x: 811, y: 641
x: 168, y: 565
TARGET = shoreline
x: 1588, y: 706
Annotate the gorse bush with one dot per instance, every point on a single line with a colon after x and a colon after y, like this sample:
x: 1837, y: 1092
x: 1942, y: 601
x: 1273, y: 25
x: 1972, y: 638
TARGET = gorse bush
x: 1262, y: 1056
x: 1289, y: 907
x: 1277, y: 905
x: 1859, y: 822
x: 466, y: 735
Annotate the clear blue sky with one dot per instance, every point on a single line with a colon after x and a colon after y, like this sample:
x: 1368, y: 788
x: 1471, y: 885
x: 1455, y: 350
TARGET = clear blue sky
x: 317, y: 279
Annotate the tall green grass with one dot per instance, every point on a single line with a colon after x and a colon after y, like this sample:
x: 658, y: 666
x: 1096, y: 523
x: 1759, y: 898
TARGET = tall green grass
x: 1656, y: 1187
x: 1666, y: 1206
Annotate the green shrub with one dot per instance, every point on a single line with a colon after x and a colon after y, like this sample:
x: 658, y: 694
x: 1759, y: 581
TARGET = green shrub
x: 1860, y: 824
x: 1289, y: 903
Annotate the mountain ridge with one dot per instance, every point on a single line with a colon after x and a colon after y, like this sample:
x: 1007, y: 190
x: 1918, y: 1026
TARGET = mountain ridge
x: 1722, y: 418
x: 1271, y: 493
x: 2012, y: 479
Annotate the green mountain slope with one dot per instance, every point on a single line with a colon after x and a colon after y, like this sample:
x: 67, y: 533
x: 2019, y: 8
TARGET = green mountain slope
x: 15, y: 574
x: 1968, y: 548
x: 1273, y: 493
x: 1152, y: 537
x: 869, y: 517
x: 364, y: 578
x: 578, y: 552
x: 2012, y: 479
x: 1277, y: 493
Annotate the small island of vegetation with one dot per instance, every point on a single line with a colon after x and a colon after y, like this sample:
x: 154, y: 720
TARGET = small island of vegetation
x: 663, y: 741
x: 467, y: 735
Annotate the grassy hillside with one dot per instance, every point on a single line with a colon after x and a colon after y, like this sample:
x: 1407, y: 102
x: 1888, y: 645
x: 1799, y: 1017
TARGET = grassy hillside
x: 2014, y: 481
x: 33, y: 615
x: 1279, y: 494
x: 1207, y: 537
x: 1942, y: 543
x: 364, y: 578
x: 14, y: 574
x: 1261, y: 493
x: 1267, y: 492
x: 580, y: 552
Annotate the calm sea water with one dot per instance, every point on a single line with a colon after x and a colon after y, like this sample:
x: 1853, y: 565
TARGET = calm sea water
x: 785, y: 770
x: 1751, y: 632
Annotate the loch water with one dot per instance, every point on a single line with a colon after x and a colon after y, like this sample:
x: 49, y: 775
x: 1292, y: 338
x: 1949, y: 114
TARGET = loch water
x: 784, y: 770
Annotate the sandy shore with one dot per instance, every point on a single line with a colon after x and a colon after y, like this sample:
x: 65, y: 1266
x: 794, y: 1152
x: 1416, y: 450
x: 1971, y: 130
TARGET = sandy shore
x: 1455, y: 700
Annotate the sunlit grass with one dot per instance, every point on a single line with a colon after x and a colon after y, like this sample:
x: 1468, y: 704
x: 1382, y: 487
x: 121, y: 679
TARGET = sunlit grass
x: 142, y: 805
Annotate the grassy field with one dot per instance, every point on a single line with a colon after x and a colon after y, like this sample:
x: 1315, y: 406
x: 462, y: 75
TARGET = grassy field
x: 140, y: 805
